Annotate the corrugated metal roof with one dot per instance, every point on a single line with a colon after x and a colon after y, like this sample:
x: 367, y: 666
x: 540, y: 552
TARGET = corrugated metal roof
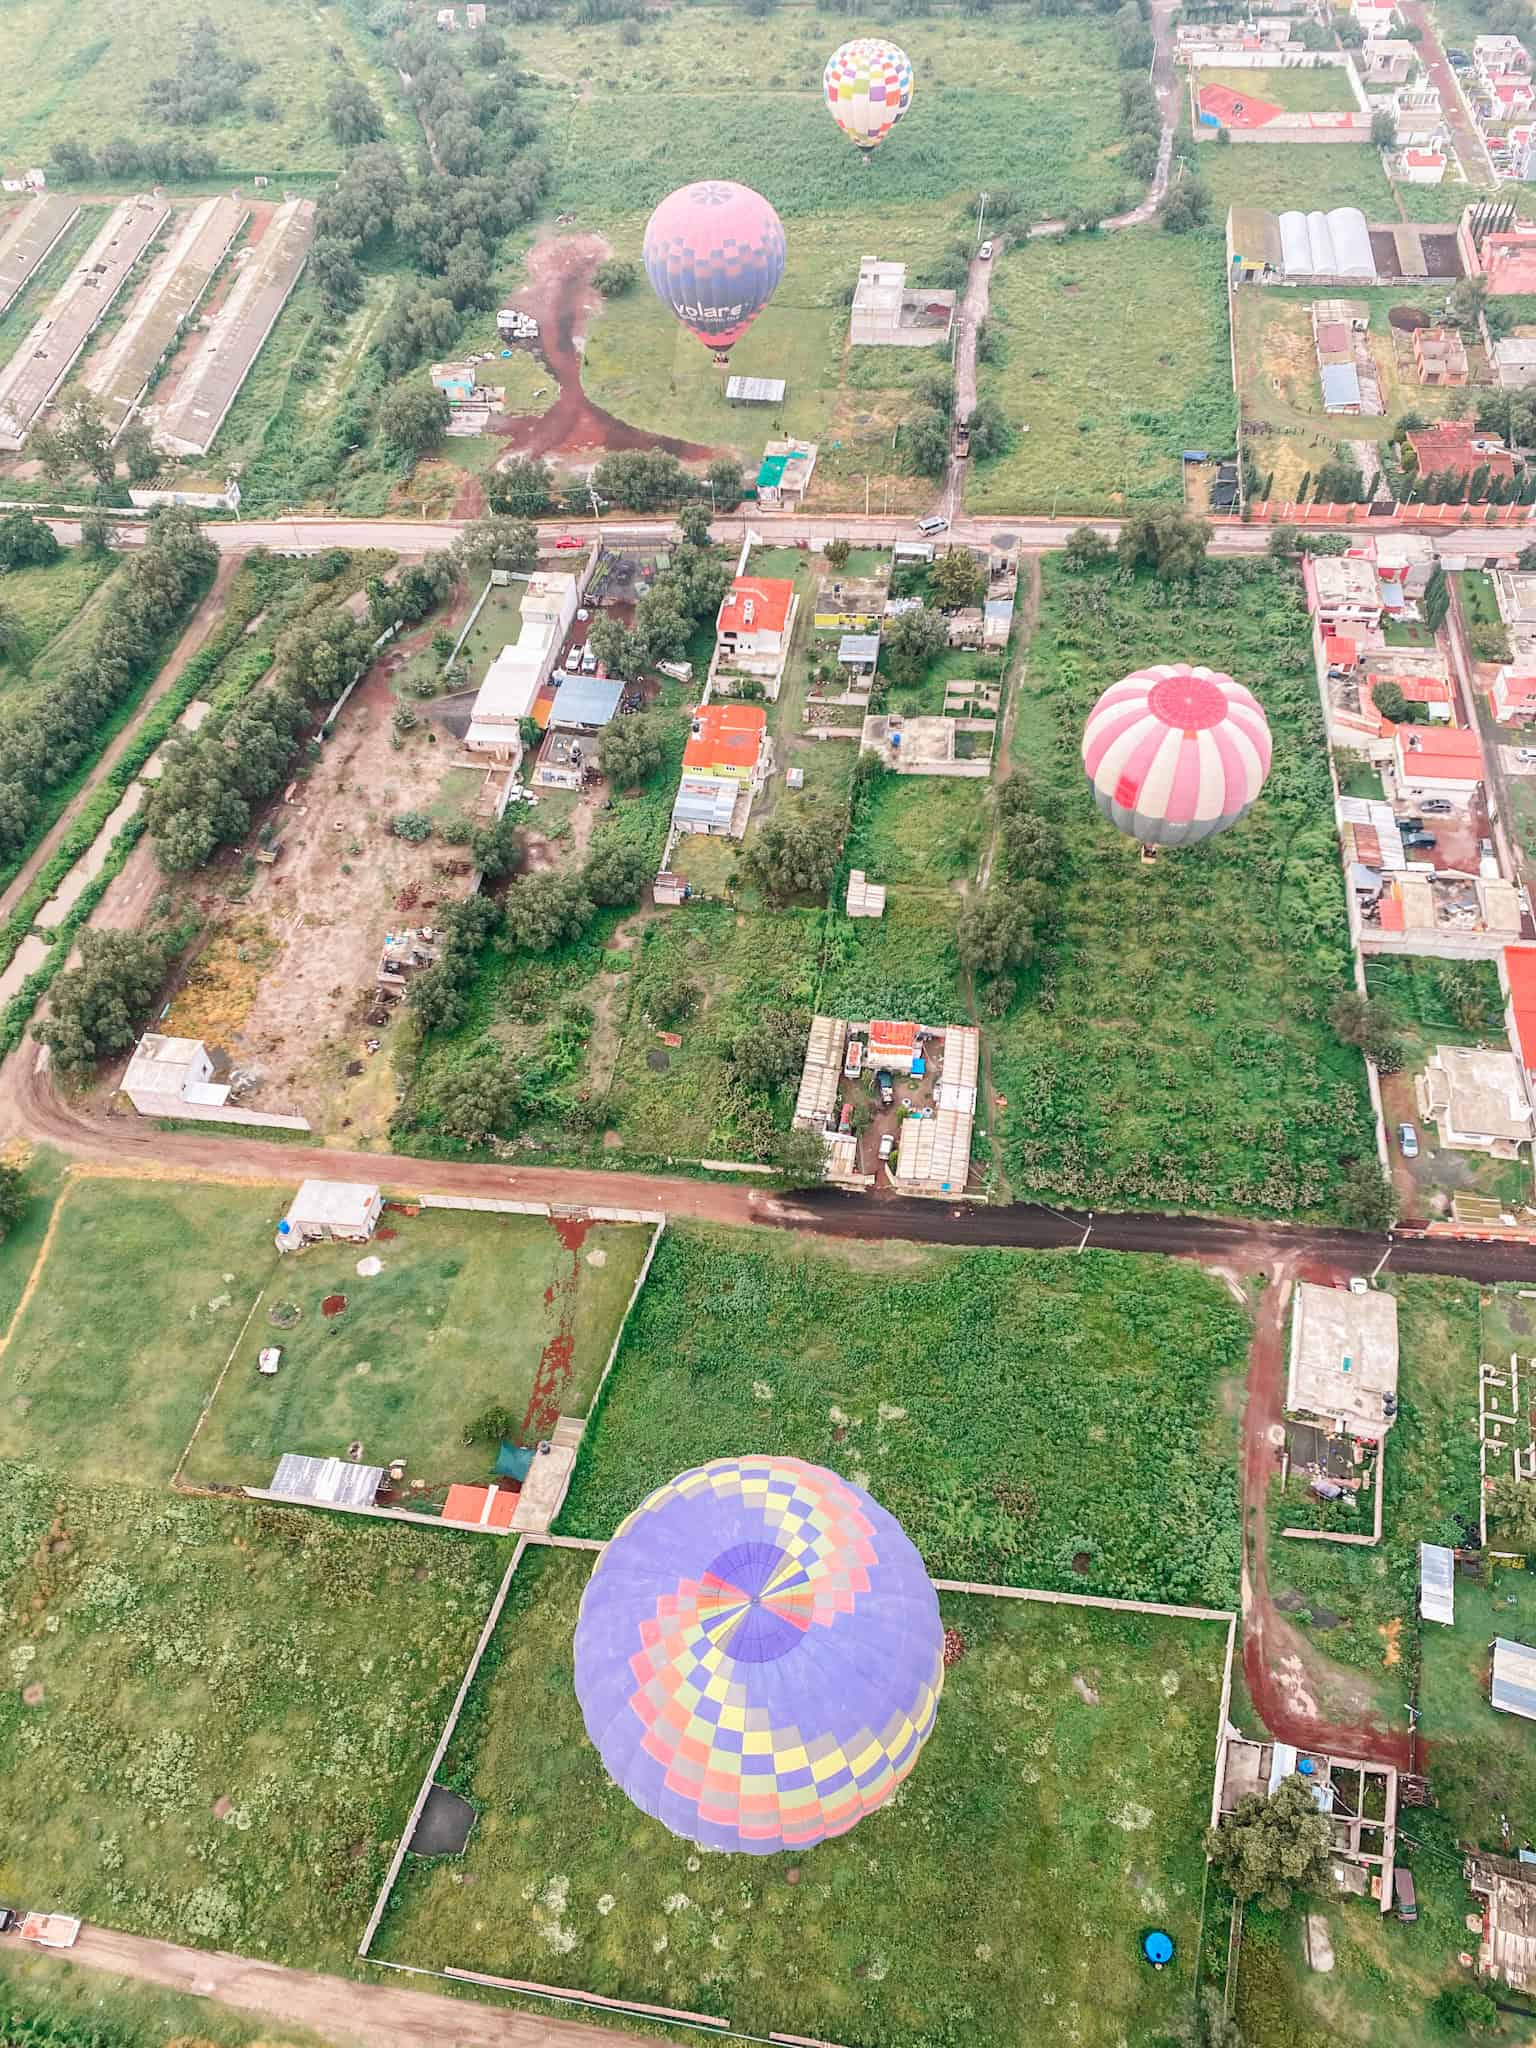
x: 858, y: 647
x: 823, y: 1064
x: 1341, y: 385
x: 1437, y: 1583
x: 755, y: 390
x: 334, y: 1482
x: 585, y: 700
x: 705, y: 800
x: 1514, y: 1678
x: 935, y: 1150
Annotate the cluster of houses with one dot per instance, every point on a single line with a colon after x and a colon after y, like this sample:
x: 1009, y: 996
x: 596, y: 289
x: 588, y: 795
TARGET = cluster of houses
x: 1497, y: 87
x: 892, y: 1099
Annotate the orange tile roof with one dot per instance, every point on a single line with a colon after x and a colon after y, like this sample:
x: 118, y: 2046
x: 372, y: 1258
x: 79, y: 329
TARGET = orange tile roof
x: 728, y: 732
x: 1440, y: 754
x: 1424, y: 689
x: 1447, y: 447
x: 1520, y: 971
x: 894, y: 1037
x: 488, y: 1507
x: 770, y: 598
x: 1519, y: 692
x: 1392, y: 918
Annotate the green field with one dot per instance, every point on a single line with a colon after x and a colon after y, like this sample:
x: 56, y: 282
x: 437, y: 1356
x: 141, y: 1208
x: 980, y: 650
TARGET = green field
x: 915, y: 828
x: 463, y: 1316
x: 46, y: 601
x: 1170, y: 1047
x: 961, y: 1386
x: 217, y: 1716
x: 939, y: 1918
x: 86, y: 72
x: 1311, y: 89
x: 1097, y: 425
x: 1281, y: 175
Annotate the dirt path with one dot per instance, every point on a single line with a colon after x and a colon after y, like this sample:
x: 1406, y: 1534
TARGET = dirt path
x: 208, y: 615
x: 1165, y: 85
x: 348, y: 2014
x: 974, y: 308
x: 1470, y: 146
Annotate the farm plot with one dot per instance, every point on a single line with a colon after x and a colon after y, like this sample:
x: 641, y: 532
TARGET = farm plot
x: 1099, y: 426
x: 218, y: 1715
x: 1171, y: 1046
x: 959, y: 1385
x: 470, y: 1314
x: 942, y: 1909
x: 46, y: 603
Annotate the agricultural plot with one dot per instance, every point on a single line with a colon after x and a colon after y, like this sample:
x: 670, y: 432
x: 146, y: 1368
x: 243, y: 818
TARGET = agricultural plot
x: 470, y: 1313
x: 1310, y: 89
x: 219, y: 1715
x: 1101, y: 426
x: 1279, y: 175
x: 960, y: 1386
x: 1171, y: 1047
x: 901, y: 965
x: 46, y: 602
x: 1087, y: 1793
x: 87, y: 74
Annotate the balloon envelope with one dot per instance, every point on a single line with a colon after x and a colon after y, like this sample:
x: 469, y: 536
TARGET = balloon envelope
x: 1176, y: 753
x: 759, y: 1655
x: 868, y: 85
x: 714, y: 253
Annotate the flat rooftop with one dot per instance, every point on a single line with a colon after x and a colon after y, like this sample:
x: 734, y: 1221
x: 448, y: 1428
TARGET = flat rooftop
x: 28, y: 239
x: 1343, y: 1363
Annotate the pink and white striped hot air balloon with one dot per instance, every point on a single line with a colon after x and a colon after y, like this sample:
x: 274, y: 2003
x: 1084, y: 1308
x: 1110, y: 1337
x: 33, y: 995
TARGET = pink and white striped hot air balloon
x: 1176, y: 753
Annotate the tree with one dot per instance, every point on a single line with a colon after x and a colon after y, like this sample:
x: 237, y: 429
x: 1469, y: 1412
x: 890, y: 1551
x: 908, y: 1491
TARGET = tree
x: 13, y: 1197
x: 1389, y: 700
x: 82, y: 426
x: 617, y: 875
x: 837, y: 553
x: 956, y: 579
x: 991, y: 430
x: 797, y: 857
x: 616, y: 647
x: 1166, y: 541
x: 724, y: 476
x: 1086, y: 548
x: 800, y: 1157
x: 351, y: 113
x: 927, y: 435
x: 497, y: 848
x: 999, y: 928
x: 13, y: 633
x: 46, y: 445
x: 1269, y: 1845
x: 95, y: 1008
x: 615, y: 277
x: 1185, y: 206
x: 630, y: 750
x: 1367, y: 1199
x: 1358, y: 1020
x: 770, y: 1051
x: 546, y: 911
x: 693, y: 525
x: 25, y: 543
x: 911, y: 643
x: 1383, y: 128
x: 522, y: 489
x: 488, y: 544
x: 136, y: 446
x: 473, y: 1099
x: 1512, y: 1504
x: 413, y: 419
x: 1437, y: 599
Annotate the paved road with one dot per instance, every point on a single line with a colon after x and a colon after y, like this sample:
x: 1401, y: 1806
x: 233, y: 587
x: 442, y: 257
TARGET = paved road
x: 1470, y: 146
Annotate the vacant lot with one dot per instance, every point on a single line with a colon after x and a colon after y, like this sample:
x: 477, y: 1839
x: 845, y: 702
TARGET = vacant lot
x: 46, y: 601
x: 86, y: 72
x: 1099, y: 426
x: 1280, y: 175
x: 39, y: 1988
x: 959, y: 1386
x: 220, y: 1714
x: 1048, y: 1776
x: 920, y: 829
x: 1171, y: 1047
x: 1313, y: 89
x: 470, y: 1313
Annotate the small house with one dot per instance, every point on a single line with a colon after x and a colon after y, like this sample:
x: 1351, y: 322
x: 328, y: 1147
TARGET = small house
x: 1446, y: 763
x: 784, y: 474
x: 728, y: 740
x: 755, y: 621
x: 1343, y: 1359
x: 1387, y: 61
x: 327, y: 1209
x: 1342, y: 591
x: 1457, y: 448
x: 1439, y: 355
x: 1512, y: 1688
x: 1513, y: 696
x: 857, y: 654
x: 167, y: 1076
x: 708, y: 804
x: 1341, y: 387
x: 455, y: 380
x: 893, y: 1045
x: 849, y: 604
x: 887, y: 315
x: 474, y: 14
x: 1476, y: 1096
x: 1422, y: 166
x: 1505, y: 1891
x: 669, y: 889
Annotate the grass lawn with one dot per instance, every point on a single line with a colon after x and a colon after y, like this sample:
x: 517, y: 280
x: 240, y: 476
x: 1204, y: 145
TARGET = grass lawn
x: 1282, y: 175
x: 115, y: 1397
x: 1313, y: 89
x: 1486, y: 631
x: 24, y: 1240
x: 916, y: 828
x: 939, y: 1917
x: 1170, y: 1045
x: 47, y: 600
x: 960, y: 1386
x: 217, y: 1716
x: 470, y: 1312
x: 86, y: 73
x: 1097, y: 425
x: 1484, y: 1763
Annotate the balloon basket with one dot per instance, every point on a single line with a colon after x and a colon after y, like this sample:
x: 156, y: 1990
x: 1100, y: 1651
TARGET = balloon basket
x: 722, y: 361
x: 1148, y: 856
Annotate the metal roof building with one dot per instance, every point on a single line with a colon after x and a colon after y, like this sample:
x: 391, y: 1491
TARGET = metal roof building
x: 705, y: 803
x: 754, y: 390
x: 28, y: 239
x: 817, y: 1099
x: 1437, y: 1583
x: 1341, y: 387
x: 329, y: 1482
x: 1514, y: 1679
x: 934, y: 1153
x: 585, y: 701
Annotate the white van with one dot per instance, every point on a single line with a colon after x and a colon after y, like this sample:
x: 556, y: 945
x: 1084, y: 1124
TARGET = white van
x: 937, y: 524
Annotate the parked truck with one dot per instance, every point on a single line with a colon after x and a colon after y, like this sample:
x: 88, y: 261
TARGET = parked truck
x: 50, y: 1930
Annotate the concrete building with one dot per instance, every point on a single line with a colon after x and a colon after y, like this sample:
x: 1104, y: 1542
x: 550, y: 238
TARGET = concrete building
x: 894, y: 1045
x: 1476, y: 1095
x: 1342, y: 591
x: 784, y: 474
x: 1422, y: 166
x: 849, y: 604
x: 1343, y: 1360
x: 38, y: 227
x: 1404, y: 564
x: 728, y: 740
x: 1513, y: 362
x: 582, y: 707
x: 1499, y: 56
x: 1446, y: 762
x: 519, y: 673
x: 1387, y: 61
x: 326, y: 1209
x: 120, y: 373
x: 166, y: 1076
x: 755, y: 622
x: 930, y: 745
x: 865, y: 898
x: 1505, y: 1890
x: 715, y: 805
x: 1513, y: 1683
x: 209, y: 385
x: 1513, y: 695
x: 1359, y: 1799
x: 887, y: 315
x: 1439, y: 355
x: 45, y: 357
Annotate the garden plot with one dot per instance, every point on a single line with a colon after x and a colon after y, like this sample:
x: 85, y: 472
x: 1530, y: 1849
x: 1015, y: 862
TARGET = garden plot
x: 1031, y: 1419
x: 1071, y: 1759
x: 218, y: 1715
x: 470, y: 1317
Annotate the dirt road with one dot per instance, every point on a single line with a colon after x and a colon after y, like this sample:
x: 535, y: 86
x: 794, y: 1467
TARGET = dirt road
x: 1470, y: 146
x: 204, y: 620
x: 348, y: 2014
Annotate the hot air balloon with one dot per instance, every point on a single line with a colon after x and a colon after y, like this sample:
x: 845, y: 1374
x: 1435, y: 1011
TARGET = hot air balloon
x: 714, y: 253
x: 1176, y: 753
x: 759, y: 1655
x: 868, y: 84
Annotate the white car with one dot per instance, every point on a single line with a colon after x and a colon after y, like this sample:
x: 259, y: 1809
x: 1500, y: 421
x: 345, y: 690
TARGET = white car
x: 985, y: 252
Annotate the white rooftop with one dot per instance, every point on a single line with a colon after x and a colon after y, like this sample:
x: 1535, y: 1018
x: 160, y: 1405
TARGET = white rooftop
x: 334, y: 1204
x: 1343, y: 1366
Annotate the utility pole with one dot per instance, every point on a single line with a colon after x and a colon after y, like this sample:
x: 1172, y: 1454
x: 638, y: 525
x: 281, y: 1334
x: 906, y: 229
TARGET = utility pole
x: 597, y: 509
x: 981, y: 214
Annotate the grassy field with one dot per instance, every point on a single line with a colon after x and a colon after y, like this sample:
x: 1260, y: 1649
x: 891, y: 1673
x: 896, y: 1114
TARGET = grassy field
x: 1097, y: 426
x: 1315, y: 89
x: 86, y: 72
x: 939, y: 1918
x: 47, y: 600
x: 919, y: 829
x: 218, y: 1715
x: 960, y: 1386
x: 469, y: 1312
x: 1278, y: 175
x: 1170, y: 1045
x: 21, y: 1244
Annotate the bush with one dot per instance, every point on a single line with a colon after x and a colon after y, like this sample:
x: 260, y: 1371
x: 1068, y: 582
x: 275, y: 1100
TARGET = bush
x: 413, y: 825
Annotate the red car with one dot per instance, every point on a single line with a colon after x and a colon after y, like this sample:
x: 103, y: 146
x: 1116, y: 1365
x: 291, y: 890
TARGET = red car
x: 567, y: 540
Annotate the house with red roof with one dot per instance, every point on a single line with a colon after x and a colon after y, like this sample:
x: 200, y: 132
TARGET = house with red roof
x: 1513, y: 696
x: 1445, y: 763
x: 1517, y: 974
x: 755, y: 622
x: 729, y: 740
x: 893, y: 1045
x: 1457, y: 448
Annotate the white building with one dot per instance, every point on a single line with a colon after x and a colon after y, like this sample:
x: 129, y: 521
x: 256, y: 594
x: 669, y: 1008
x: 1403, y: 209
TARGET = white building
x: 1343, y: 1365
x: 168, y: 1075
x: 515, y: 678
x: 1477, y: 1098
x: 323, y: 1209
x: 887, y: 315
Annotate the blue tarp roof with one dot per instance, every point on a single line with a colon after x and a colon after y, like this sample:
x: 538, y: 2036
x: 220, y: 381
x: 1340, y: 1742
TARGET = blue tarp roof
x: 586, y: 700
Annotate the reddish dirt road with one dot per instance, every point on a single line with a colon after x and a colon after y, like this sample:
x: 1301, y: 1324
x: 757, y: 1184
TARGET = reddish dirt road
x: 1470, y: 146
x: 1278, y: 1667
x: 562, y: 299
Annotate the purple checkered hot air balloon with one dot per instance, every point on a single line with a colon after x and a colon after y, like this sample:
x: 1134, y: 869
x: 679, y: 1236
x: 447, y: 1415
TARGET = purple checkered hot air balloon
x: 759, y: 1655
x: 714, y: 253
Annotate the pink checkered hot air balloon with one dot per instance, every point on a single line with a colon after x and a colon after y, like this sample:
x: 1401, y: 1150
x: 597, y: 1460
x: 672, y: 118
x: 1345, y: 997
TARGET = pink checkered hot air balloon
x: 1176, y: 753
x: 714, y: 253
x: 868, y: 84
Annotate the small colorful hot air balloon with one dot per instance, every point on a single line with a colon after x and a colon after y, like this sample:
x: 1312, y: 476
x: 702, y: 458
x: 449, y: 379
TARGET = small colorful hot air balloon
x: 714, y: 253
x: 1176, y: 753
x: 868, y: 85
x: 759, y: 1655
